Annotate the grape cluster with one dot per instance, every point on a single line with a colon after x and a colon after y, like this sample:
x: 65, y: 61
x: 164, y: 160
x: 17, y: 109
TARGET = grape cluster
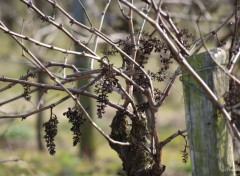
x: 50, y: 133
x: 157, y: 94
x: 141, y: 79
x: 109, y: 81
x: 102, y: 99
x: 187, y: 38
x: 26, y: 93
x: 147, y: 45
x: 75, y: 117
x: 26, y: 87
x: 184, y: 151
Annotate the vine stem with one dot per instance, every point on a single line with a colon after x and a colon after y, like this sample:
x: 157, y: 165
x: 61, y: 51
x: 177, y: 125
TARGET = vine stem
x: 52, y: 47
x: 183, y: 62
x: 54, y: 78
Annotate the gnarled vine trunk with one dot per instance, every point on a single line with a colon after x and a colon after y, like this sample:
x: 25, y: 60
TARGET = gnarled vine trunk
x: 137, y: 159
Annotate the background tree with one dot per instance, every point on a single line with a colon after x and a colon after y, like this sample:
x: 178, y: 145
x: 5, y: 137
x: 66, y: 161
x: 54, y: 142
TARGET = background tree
x: 84, y: 64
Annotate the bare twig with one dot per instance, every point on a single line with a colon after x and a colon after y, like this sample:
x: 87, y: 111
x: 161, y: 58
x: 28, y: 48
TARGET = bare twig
x: 170, y: 138
x: 91, y: 30
x: 203, y: 9
x: 36, y: 71
x: 235, y: 49
x: 168, y: 87
x: 52, y: 47
x: 24, y: 116
x: 221, y: 107
x: 56, y: 87
x: 234, y: 60
x: 100, y: 28
x: 83, y: 7
x: 183, y: 62
x: 16, y: 97
x: 198, y: 44
x: 72, y: 96
x: 10, y: 160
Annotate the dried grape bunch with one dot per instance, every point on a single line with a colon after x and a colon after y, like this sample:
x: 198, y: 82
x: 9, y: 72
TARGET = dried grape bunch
x: 26, y: 92
x: 147, y: 45
x: 26, y: 87
x: 50, y: 133
x: 150, y: 44
x: 157, y: 94
x: 187, y: 38
x: 184, y: 152
x: 102, y: 99
x: 141, y: 79
x: 104, y: 87
x: 75, y: 117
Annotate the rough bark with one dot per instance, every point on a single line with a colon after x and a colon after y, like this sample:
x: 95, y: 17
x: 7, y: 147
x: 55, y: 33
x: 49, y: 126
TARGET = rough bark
x: 137, y: 159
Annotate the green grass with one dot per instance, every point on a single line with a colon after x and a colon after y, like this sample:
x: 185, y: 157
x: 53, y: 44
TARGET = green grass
x: 65, y: 162
x: 19, y: 142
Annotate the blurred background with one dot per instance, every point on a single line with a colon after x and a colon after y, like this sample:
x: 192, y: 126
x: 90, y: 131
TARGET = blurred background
x: 22, y: 148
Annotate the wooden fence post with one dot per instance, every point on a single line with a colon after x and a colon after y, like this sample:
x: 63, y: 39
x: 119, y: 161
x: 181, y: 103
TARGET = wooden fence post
x: 211, y: 148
